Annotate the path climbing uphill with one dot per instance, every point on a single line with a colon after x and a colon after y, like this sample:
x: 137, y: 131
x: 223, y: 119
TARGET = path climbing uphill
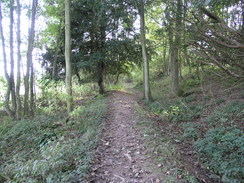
x: 121, y: 155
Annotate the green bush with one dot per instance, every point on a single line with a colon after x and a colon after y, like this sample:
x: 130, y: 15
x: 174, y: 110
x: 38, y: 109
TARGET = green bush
x: 227, y: 114
x: 222, y: 150
x: 190, y: 131
x: 190, y: 83
x: 219, y: 100
x: 189, y: 99
x: 156, y: 107
x: 181, y: 112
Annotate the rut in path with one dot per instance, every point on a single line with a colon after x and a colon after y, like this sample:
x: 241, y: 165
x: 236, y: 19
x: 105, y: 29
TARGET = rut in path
x: 121, y: 155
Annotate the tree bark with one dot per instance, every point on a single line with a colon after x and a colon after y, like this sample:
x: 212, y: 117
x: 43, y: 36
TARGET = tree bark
x: 101, y: 69
x: 56, y: 52
x: 30, y: 62
x: 147, y: 91
x: 18, y: 100
x: 12, y: 63
x: 32, y: 92
x: 165, y: 69
x: 242, y: 13
x: 176, y: 50
x: 67, y: 57
x: 7, y: 95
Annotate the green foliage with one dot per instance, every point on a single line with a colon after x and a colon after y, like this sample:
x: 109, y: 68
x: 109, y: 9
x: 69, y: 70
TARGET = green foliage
x: 53, y: 96
x: 229, y: 114
x: 190, y: 131
x: 189, y: 99
x: 177, y: 111
x: 3, y: 87
x: 190, y: 83
x: 109, y: 41
x: 115, y: 87
x: 219, y: 100
x: 222, y: 151
x: 47, y: 149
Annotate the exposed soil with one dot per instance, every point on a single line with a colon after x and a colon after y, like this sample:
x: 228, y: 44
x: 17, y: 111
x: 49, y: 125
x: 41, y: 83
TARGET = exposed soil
x: 121, y: 155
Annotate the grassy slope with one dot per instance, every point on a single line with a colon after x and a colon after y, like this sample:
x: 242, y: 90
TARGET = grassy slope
x: 206, y: 123
x: 49, y: 149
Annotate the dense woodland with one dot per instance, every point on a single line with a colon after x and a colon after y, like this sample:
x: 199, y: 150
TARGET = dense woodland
x: 185, y: 58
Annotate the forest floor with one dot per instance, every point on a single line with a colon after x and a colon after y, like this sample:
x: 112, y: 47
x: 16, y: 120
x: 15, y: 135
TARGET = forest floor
x: 122, y: 155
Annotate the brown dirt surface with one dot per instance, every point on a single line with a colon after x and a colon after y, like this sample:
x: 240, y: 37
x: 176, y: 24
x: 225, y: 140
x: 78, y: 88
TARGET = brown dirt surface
x: 121, y: 156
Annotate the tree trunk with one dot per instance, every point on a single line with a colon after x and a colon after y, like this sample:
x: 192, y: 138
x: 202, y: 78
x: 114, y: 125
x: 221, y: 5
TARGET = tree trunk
x: 29, y: 61
x: 18, y: 100
x: 242, y: 13
x: 176, y: 50
x: 32, y: 93
x: 56, y: 52
x: 101, y: 69
x: 165, y: 69
x: 67, y: 57
x: 12, y: 83
x: 171, y: 50
x: 147, y: 91
x: 7, y: 95
x: 117, y: 78
x: 78, y: 76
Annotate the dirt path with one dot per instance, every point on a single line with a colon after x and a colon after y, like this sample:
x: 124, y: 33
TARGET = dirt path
x: 121, y: 155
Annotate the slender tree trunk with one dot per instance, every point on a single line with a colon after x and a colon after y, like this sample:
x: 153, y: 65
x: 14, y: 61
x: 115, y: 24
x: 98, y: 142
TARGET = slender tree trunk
x: 7, y: 95
x: 56, y: 52
x: 18, y: 100
x: 242, y: 13
x: 176, y: 50
x: 147, y: 91
x: 32, y: 92
x: 67, y: 57
x: 165, y: 70
x: 117, y: 78
x: 101, y: 69
x: 171, y: 49
x: 12, y: 83
x: 101, y: 64
x: 186, y: 59
x: 78, y: 76
x: 30, y: 62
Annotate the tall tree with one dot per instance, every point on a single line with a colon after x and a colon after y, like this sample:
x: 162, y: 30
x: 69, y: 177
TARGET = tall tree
x: 54, y: 71
x: 7, y: 95
x: 176, y: 50
x: 18, y: 100
x: 68, y: 57
x: 147, y: 91
x: 29, y: 66
x: 12, y: 63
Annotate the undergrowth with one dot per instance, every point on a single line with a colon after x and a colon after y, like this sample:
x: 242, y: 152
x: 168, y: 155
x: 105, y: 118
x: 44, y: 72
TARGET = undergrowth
x: 162, y: 149
x: 49, y: 149
x: 211, y: 122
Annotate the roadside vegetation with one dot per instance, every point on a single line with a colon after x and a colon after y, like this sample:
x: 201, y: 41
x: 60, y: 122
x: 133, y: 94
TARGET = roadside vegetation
x: 204, y: 126
x: 51, y: 147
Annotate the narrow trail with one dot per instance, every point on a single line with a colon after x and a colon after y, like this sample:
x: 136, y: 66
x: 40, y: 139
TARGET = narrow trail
x: 121, y: 155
